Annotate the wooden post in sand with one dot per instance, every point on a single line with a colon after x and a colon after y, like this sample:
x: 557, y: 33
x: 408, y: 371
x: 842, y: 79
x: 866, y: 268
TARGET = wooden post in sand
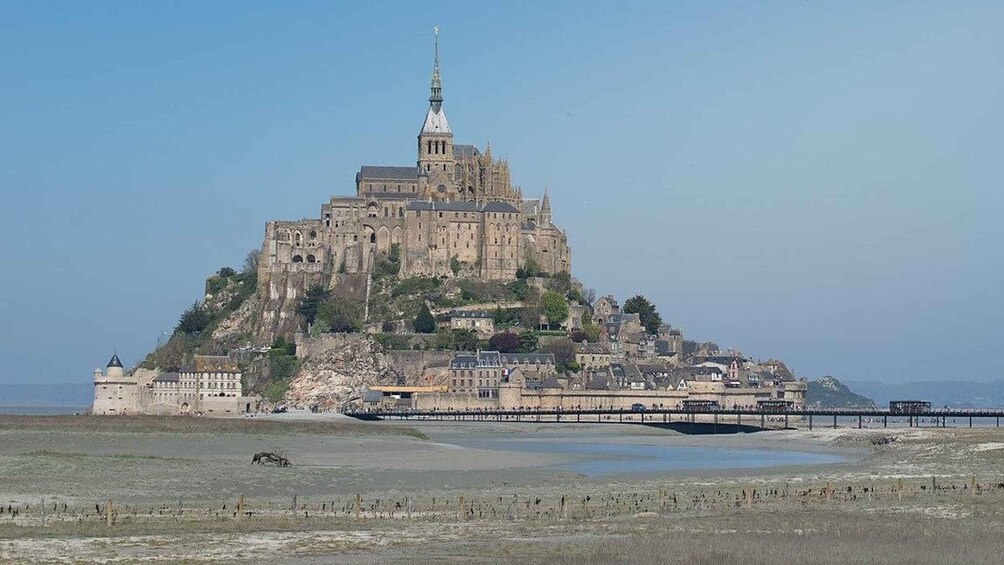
x: 460, y: 508
x: 359, y: 505
x: 749, y: 497
x: 108, y: 512
x: 240, y: 506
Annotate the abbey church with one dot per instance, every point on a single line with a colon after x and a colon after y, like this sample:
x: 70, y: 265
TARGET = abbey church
x: 456, y: 207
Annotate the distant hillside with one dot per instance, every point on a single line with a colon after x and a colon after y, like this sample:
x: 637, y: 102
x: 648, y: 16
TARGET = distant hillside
x: 954, y: 394
x: 828, y: 392
x: 71, y: 394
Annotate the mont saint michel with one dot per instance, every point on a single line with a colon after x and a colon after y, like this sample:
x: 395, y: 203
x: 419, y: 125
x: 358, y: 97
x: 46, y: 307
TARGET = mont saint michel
x: 554, y: 283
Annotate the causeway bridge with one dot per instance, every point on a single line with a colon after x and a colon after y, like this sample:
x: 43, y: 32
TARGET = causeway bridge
x: 728, y: 419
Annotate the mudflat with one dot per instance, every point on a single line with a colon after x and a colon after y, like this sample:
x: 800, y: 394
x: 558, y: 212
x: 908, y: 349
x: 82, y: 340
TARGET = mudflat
x: 184, y: 490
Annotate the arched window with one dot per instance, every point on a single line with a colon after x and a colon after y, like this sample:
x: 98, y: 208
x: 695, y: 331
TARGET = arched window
x: 373, y: 237
x: 428, y: 149
x: 313, y: 234
x: 297, y: 238
x: 297, y: 258
x: 311, y: 259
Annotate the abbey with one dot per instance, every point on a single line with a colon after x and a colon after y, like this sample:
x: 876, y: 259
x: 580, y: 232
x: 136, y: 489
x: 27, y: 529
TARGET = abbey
x: 456, y: 212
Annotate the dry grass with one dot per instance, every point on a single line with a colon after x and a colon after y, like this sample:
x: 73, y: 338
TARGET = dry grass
x: 198, y: 425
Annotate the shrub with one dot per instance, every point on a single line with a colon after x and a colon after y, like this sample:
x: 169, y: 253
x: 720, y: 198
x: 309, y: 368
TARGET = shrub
x: 415, y: 285
x: 226, y: 272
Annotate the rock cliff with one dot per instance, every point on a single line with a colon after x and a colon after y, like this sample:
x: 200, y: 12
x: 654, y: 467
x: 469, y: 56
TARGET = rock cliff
x: 337, y: 375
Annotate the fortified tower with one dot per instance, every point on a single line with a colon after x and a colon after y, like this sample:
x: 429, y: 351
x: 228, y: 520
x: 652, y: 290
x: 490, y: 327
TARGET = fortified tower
x: 114, y: 392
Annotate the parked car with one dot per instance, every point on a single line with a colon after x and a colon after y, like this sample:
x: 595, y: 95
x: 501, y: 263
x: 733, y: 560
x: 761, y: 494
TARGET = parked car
x: 637, y: 407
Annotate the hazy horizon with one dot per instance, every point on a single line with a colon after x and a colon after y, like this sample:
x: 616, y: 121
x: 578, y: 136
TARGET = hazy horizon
x: 812, y: 182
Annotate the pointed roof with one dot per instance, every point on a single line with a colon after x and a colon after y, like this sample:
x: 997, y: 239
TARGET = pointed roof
x: 545, y: 203
x: 435, y: 118
x: 115, y: 362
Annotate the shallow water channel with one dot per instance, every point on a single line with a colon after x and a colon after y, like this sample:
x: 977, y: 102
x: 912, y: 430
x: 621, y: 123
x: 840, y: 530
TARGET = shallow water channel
x: 604, y: 458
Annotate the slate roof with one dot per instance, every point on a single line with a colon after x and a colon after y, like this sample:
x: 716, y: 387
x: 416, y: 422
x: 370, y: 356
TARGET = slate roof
x: 166, y: 378
x: 527, y: 358
x: 662, y: 349
x: 551, y: 382
x: 593, y: 348
x: 500, y: 207
x: 114, y: 361
x: 437, y: 206
x: 471, y: 360
x: 598, y: 380
x: 382, y: 172
x: 465, y: 150
x: 470, y: 314
x: 435, y: 121
x: 372, y: 395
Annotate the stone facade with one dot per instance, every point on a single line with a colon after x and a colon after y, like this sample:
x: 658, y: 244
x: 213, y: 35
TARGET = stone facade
x: 456, y: 207
x: 212, y: 386
x: 479, y: 321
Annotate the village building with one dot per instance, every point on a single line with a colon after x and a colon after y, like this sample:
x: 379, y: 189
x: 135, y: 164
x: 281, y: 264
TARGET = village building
x: 478, y: 321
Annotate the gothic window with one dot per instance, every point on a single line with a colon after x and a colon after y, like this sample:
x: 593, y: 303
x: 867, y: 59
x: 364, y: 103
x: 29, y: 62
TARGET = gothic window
x: 297, y: 238
x: 373, y: 237
x: 313, y: 234
x: 311, y: 259
x: 297, y: 258
x: 429, y: 147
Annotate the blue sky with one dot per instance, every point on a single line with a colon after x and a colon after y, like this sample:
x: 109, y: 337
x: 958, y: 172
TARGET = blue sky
x: 819, y: 182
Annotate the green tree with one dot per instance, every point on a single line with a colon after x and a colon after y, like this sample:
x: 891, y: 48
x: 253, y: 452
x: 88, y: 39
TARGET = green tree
x: 564, y: 354
x: 505, y: 342
x: 464, y: 340
x: 455, y: 265
x: 640, y: 305
x: 194, y: 320
x: 311, y: 301
x: 528, y: 342
x: 519, y: 289
x: 554, y: 308
x: 226, y: 272
x: 340, y: 314
x: 424, y: 322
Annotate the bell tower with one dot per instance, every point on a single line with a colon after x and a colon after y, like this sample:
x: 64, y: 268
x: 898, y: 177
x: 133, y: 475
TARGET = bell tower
x: 435, y: 141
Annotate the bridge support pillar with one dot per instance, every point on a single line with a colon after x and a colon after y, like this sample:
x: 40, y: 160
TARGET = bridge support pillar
x: 834, y: 421
x: 998, y: 421
x: 859, y: 421
x: 885, y: 421
x: 786, y: 420
x: 810, y: 422
x: 970, y: 421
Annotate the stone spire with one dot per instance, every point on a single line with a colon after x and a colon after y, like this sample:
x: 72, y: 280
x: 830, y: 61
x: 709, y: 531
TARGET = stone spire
x: 545, y: 203
x: 436, y: 88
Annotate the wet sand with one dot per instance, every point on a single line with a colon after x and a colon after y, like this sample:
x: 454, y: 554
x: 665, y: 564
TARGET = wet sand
x: 391, y: 493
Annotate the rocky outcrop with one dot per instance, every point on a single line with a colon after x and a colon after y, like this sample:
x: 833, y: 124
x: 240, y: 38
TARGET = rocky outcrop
x: 337, y: 375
